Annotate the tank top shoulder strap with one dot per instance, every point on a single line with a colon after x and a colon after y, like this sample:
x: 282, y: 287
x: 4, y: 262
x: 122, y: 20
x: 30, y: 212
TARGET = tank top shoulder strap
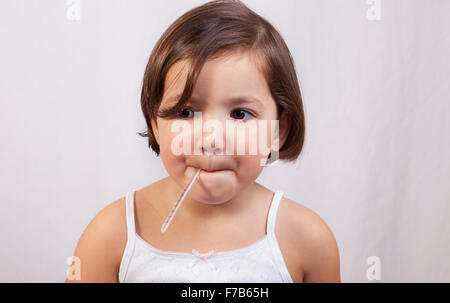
x: 272, y: 239
x: 131, y: 235
x: 130, y: 213
x: 273, y: 210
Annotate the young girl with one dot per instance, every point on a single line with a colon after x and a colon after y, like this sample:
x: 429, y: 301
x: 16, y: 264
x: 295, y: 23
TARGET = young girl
x: 226, y: 62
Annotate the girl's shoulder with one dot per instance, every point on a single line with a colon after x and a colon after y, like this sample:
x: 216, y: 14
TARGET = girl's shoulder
x: 111, y: 221
x: 310, y: 238
x: 103, y: 241
x: 101, y: 244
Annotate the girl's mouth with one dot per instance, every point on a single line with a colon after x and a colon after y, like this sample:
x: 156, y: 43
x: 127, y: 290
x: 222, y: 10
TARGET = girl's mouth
x: 218, y: 176
x: 212, y: 171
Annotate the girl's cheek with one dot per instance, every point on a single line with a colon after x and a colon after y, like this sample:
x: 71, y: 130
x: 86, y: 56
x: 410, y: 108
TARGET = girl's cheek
x: 258, y: 144
x: 249, y: 167
x: 166, y: 138
x: 250, y: 163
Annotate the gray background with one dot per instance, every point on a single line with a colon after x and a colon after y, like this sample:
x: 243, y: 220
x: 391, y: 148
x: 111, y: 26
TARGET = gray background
x: 376, y: 94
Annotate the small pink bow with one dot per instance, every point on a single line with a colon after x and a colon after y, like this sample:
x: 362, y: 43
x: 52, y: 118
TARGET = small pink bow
x: 203, y: 257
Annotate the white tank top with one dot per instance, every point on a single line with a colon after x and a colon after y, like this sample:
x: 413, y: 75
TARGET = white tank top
x: 259, y: 262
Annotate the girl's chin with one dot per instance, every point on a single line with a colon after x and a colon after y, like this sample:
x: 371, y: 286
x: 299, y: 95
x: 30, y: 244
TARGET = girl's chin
x: 212, y: 194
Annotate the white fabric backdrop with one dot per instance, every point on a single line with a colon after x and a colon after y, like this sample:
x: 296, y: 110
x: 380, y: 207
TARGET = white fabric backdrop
x: 376, y: 163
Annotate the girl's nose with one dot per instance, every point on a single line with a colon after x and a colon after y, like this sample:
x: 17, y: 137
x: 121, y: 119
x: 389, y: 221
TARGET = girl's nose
x: 213, y: 133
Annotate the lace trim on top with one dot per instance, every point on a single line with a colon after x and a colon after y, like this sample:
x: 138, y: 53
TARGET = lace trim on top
x: 227, y: 253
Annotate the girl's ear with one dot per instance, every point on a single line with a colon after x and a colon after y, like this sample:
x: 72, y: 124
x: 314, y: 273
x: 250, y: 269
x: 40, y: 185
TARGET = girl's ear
x: 155, y: 130
x: 283, y: 128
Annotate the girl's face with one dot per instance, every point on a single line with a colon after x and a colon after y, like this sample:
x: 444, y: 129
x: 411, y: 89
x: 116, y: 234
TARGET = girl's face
x: 220, y: 80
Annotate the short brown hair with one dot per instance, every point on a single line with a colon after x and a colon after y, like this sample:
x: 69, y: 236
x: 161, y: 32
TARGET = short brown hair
x: 209, y: 31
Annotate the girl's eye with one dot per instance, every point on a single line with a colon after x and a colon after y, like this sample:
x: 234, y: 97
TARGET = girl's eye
x: 184, y: 113
x: 241, y: 114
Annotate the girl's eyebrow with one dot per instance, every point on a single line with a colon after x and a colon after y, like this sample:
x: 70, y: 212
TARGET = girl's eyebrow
x: 245, y: 99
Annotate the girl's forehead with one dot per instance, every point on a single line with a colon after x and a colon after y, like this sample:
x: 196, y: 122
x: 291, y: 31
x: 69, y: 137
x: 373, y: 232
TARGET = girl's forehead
x: 226, y: 77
